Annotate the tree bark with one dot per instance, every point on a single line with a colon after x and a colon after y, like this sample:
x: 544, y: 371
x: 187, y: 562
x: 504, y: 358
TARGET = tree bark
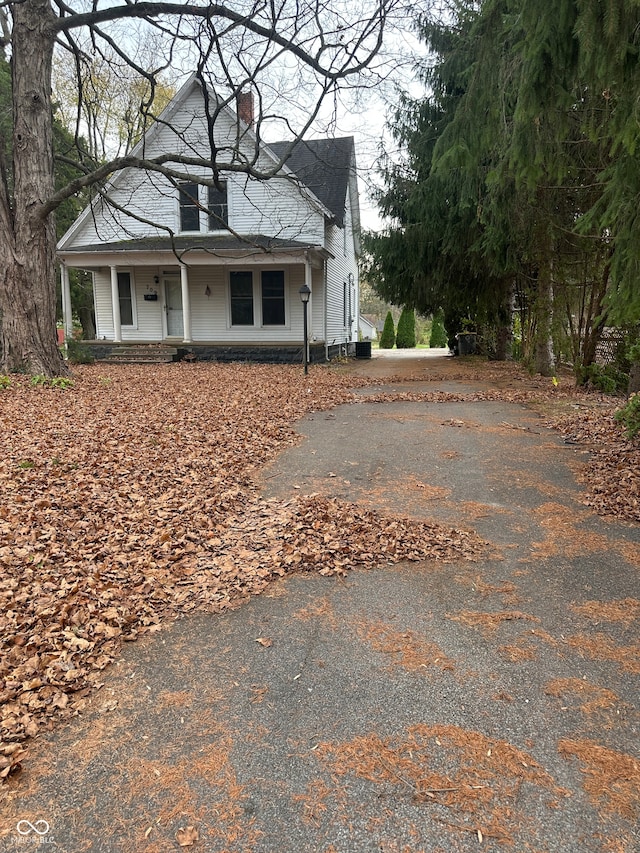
x: 504, y: 327
x: 544, y: 360
x: 27, y: 257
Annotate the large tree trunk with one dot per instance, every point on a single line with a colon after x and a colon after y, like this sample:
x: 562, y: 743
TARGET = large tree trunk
x: 544, y: 361
x: 504, y: 328
x: 27, y: 241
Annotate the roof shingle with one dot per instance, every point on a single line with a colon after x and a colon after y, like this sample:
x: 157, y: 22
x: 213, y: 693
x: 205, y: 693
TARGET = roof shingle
x: 324, y: 166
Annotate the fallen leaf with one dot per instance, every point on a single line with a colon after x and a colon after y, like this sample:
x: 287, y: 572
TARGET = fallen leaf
x: 140, y: 505
x: 187, y: 837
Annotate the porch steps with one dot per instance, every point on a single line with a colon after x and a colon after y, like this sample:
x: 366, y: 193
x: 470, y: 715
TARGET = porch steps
x: 141, y: 354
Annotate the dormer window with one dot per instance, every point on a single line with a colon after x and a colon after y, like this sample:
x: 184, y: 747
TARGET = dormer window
x: 218, y: 207
x: 189, y: 207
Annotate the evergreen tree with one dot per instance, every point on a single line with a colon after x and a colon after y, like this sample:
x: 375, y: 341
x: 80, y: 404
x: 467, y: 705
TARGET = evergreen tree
x: 504, y: 198
x: 438, y: 334
x: 406, y: 331
x: 433, y: 257
x: 388, y: 336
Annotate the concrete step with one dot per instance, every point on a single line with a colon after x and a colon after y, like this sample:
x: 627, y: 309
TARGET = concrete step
x: 127, y: 359
x: 144, y: 348
x: 141, y: 354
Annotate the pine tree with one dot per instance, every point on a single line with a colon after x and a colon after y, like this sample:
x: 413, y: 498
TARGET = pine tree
x: 519, y: 179
x: 388, y: 337
x: 406, y: 331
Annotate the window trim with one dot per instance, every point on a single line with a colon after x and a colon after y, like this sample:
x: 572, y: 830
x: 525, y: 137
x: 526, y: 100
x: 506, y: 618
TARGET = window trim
x: 256, y: 290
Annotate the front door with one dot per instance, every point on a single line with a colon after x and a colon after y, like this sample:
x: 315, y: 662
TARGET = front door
x: 173, y: 303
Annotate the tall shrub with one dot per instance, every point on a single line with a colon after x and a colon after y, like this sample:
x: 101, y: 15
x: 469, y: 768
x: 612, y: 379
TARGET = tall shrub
x: 438, y: 334
x: 406, y: 332
x: 388, y: 337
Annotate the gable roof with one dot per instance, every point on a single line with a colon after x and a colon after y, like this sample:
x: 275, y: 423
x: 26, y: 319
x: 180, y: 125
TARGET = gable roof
x: 325, y: 166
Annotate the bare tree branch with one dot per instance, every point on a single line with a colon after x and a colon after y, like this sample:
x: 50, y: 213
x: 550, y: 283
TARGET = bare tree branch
x: 149, y: 10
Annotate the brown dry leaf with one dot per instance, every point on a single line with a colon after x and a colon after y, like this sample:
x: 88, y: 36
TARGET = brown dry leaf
x: 139, y: 502
x: 187, y: 837
x: 266, y: 642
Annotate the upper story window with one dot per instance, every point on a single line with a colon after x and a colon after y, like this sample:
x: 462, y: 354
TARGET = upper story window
x: 189, y: 207
x: 194, y: 216
x: 218, y: 207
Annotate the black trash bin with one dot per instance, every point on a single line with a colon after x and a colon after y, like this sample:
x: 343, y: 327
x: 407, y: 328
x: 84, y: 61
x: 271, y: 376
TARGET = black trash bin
x: 466, y: 343
x: 363, y: 349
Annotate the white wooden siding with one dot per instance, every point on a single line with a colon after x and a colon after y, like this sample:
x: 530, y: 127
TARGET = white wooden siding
x: 351, y: 267
x: 210, y: 314
x: 316, y: 330
x: 148, y: 315
x: 337, y: 332
x: 277, y: 208
x: 340, y: 242
x: 186, y: 132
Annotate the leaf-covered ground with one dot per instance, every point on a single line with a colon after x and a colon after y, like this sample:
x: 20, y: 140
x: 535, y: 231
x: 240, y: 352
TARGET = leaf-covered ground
x: 130, y: 497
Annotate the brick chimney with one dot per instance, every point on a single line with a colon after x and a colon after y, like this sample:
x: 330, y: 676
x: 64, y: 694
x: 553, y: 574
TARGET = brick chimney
x: 244, y: 101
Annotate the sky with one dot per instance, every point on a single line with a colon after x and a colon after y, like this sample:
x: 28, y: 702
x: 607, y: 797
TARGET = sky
x: 365, y: 116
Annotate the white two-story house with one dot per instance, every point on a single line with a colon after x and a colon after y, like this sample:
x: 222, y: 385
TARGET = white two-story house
x: 215, y: 271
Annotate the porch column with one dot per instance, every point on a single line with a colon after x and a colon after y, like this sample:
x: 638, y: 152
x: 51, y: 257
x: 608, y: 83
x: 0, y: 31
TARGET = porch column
x: 67, y: 314
x: 115, y: 306
x: 186, y: 304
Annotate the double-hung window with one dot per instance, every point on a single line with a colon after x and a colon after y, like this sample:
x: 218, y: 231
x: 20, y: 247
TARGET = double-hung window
x: 218, y: 207
x: 273, y: 313
x: 189, y: 207
x: 271, y: 303
x: 241, y: 295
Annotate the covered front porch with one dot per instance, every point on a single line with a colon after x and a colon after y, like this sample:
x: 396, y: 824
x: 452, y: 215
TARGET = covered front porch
x: 243, y: 304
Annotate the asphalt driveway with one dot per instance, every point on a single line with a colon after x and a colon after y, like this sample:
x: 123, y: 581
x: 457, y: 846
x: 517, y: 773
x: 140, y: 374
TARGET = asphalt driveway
x: 489, y: 705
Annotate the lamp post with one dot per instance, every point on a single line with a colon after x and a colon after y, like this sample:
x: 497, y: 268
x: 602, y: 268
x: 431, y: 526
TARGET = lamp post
x: 305, y: 293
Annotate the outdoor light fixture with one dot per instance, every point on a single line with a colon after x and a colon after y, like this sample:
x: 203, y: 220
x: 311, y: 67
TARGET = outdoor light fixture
x: 305, y: 293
